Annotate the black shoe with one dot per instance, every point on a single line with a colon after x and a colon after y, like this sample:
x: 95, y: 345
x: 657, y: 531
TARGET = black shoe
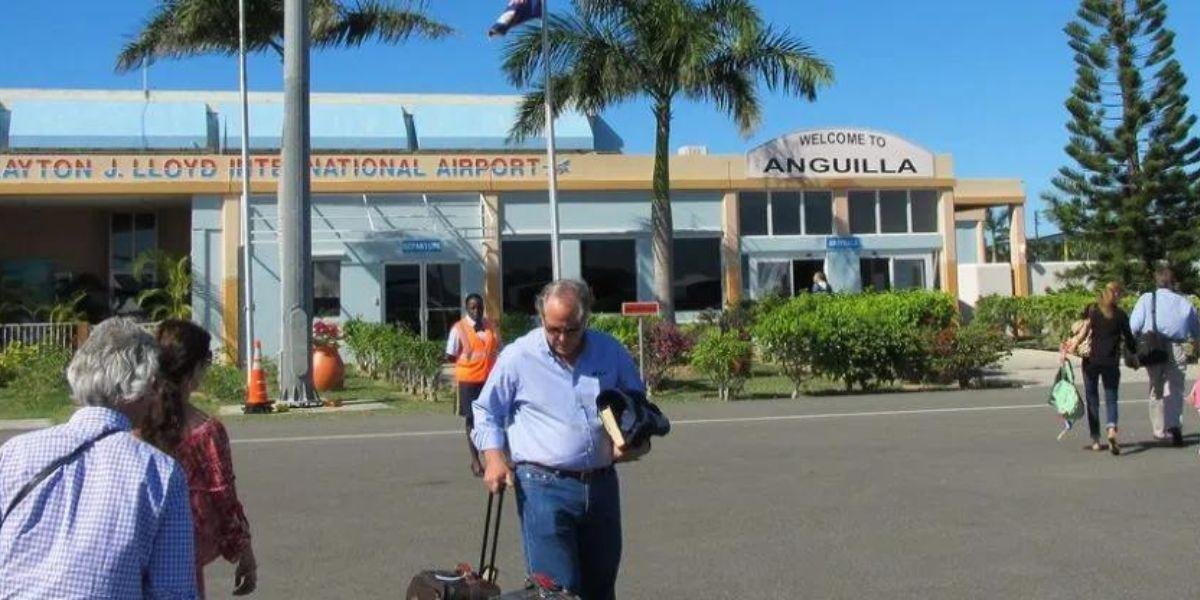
x: 1176, y: 437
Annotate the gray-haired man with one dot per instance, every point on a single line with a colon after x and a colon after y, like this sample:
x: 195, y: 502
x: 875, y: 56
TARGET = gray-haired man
x: 1174, y: 318
x: 111, y: 518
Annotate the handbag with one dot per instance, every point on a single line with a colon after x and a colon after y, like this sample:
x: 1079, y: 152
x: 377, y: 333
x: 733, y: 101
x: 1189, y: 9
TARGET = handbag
x: 1064, y: 397
x: 1080, y: 343
x: 1154, y: 347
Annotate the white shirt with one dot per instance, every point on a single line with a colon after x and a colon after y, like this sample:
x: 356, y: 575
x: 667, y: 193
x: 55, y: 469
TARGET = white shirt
x: 454, y: 345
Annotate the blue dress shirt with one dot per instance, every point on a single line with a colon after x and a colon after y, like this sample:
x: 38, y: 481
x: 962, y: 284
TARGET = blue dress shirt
x: 1176, y: 316
x: 113, y: 523
x: 545, y: 410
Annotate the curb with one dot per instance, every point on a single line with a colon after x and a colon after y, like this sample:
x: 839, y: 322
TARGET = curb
x: 24, y: 424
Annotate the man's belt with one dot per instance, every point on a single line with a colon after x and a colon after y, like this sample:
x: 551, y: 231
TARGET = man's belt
x: 583, y: 476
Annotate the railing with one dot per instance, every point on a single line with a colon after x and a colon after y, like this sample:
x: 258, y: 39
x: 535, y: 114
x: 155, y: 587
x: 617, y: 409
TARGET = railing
x: 62, y: 335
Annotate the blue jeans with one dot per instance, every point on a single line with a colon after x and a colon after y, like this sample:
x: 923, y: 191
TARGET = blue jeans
x: 571, y: 529
x: 1093, y: 375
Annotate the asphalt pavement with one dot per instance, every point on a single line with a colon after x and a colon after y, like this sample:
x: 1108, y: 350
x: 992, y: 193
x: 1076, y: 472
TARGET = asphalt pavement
x: 935, y: 495
x: 920, y: 495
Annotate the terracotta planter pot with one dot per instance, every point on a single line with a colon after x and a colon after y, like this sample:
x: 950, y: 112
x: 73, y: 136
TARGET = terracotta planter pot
x: 329, y: 372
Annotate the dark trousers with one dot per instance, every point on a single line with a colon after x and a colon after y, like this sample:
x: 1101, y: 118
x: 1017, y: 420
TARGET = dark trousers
x: 571, y: 529
x: 467, y: 393
x: 1093, y: 376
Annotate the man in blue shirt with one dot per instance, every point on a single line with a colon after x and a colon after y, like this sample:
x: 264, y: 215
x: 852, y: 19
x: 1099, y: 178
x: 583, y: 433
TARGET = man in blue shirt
x: 1174, y: 317
x: 114, y: 521
x: 538, y: 410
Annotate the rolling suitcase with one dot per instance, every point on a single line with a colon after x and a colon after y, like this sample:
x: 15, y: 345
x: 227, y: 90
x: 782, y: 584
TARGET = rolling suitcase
x: 540, y: 587
x: 464, y: 583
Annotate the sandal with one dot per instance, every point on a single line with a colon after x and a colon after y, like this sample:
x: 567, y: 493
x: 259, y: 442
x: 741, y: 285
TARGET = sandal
x: 1113, y: 446
x: 1096, y: 447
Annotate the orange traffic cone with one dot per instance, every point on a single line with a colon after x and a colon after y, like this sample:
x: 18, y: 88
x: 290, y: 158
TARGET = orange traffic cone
x: 256, y: 392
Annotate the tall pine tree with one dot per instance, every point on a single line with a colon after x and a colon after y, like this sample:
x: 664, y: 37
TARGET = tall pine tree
x: 1133, y: 192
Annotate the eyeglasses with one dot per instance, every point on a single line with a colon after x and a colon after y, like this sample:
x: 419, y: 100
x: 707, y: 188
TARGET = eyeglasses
x: 572, y: 330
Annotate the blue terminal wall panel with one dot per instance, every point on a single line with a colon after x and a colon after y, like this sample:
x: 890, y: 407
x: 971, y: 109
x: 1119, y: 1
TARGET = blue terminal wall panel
x: 486, y: 126
x: 333, y: 126
x: 91, y: 124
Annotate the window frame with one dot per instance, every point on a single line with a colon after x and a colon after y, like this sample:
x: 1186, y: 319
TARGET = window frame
x: 908, y: 210
x: 801, y: 208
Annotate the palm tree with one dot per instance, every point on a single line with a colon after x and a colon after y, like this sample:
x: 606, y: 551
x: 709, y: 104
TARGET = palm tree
x: 172, y: 299
x: 612, y: 51
x: 996, y: 224
x: 183, y: 28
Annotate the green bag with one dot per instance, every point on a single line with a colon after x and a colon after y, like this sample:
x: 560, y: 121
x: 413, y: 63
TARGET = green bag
x: 1064, y: 396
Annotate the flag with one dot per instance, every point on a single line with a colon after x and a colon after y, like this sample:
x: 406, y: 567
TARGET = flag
x: 518, y: 12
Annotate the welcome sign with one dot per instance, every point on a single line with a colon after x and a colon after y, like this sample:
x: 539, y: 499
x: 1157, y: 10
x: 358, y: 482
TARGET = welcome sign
x: 838, y: 154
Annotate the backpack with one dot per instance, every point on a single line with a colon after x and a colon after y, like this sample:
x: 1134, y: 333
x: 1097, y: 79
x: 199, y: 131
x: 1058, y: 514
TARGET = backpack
x: 1064, y: 397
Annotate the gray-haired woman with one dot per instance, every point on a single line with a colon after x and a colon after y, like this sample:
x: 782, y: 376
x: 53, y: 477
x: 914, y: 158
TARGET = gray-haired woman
x: 90, y: 510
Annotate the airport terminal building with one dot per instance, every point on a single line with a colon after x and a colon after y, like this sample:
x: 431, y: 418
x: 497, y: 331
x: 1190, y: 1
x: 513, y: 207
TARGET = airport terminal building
x: 419, y: 200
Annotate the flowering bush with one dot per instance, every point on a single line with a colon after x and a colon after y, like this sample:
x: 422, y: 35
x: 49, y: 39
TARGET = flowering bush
x: 668, y: 346
x: 326, y: 334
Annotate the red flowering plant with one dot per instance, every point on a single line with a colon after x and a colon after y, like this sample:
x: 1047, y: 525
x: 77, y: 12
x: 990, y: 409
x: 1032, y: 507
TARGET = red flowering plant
x: 326, y: 334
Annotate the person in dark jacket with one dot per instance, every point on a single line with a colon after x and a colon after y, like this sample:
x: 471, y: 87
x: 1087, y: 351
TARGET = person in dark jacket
x: 1108, y: 332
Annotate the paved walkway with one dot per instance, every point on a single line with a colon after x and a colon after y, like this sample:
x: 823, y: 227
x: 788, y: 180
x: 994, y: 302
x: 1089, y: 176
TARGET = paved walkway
x: 1038, y: 368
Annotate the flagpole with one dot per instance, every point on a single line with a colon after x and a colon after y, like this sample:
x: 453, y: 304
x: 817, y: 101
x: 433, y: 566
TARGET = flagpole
x: 247, y: 272
x: 551, y: 160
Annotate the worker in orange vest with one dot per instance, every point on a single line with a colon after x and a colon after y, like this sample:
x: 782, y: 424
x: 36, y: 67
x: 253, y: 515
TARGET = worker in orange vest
x: 472, y: 345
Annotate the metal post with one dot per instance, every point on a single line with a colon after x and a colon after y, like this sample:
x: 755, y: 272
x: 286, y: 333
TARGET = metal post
x: 551, y: 159
x: 295, y: 217
x: 642, y: 346
x: 247, y: 272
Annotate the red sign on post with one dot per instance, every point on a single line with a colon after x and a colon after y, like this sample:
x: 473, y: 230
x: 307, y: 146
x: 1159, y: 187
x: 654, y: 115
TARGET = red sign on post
x: 640, y: 309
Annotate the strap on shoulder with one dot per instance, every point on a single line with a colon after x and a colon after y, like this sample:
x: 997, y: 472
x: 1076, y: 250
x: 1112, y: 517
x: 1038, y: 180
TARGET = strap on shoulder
x: 51, y: 468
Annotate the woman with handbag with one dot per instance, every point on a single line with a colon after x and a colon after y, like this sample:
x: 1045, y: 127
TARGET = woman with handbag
x: 1100, y: 338
x: 201, y: 446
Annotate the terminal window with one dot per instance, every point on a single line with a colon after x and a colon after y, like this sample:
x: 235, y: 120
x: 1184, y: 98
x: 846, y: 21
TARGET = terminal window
x: 893, y: 211
x: 924, y: 211
x: 327, y: 287
x: 697, y: 263
x: 785, y: 213
x: 752, y: 213
x: 610, y: 268
x: 862, y: 212
x: 526, y: 269
x: 818, y: 213
x: 130, y: 236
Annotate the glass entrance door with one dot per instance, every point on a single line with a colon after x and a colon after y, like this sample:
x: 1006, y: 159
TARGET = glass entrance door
x: 425, y: 298
x: 803, y: 271
x: 443, y: 299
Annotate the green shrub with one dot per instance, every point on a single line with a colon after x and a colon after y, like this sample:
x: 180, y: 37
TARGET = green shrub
x: 515, y: 324
x: 721, y: 357
x: 38, y: 382
x: 368, y: 344
x: 225, y: 384
x: 960, y: 354
x: 863, y: 340
x: 785, y: 335
x: 13, y: 357
x: 625, y: 329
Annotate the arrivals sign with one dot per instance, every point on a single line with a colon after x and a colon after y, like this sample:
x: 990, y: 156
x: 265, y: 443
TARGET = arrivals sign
x: 838, y: 154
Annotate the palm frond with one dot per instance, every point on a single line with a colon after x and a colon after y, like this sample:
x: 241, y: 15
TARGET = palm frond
x: 372, y: 19
x: 185, y: 28
x: 786, y: 64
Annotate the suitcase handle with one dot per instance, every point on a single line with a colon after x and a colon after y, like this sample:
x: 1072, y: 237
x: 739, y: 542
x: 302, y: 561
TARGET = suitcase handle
x: 490, y: 568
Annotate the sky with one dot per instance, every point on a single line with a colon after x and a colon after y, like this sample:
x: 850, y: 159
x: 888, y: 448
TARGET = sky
x: 983, y: 80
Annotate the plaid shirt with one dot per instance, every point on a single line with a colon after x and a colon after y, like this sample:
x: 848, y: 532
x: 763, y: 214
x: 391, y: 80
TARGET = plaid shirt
x: 113, y: 523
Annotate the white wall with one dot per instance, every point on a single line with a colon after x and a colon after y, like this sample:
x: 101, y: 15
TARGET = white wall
x: 1049, y: 275
x: 977, y: 281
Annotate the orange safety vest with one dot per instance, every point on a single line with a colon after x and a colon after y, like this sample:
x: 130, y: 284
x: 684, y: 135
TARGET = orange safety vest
x: 476, y: 356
